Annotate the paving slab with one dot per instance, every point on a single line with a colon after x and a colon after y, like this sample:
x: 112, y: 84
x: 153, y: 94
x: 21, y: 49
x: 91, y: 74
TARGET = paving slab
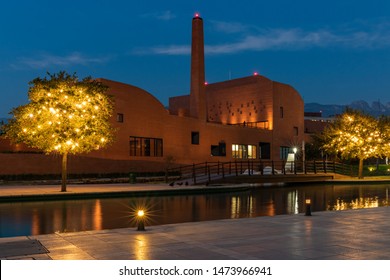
x: 21, y: 248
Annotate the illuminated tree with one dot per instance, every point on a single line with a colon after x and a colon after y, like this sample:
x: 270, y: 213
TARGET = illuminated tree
x: 353, y: 135
x: 65, y: 116
x: 384, y: 126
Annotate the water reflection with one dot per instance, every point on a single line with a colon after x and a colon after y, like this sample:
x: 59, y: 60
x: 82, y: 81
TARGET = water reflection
x: 292, y: 202
x: 66, y: 216
x: 97, y: 221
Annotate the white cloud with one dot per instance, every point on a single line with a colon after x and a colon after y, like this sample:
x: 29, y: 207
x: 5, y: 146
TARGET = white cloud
x: 255, y: 39
x: 229, y: 27
x: 168, y: 50
x: 47, y: 60
x: 164, y: 15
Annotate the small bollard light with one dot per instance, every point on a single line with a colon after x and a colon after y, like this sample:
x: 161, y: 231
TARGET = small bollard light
x: 141, y: 220
x: 308, y: 207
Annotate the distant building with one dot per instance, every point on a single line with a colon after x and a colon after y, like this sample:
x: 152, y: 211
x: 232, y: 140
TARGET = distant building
x: 247, y: 118
x: 315, y: 122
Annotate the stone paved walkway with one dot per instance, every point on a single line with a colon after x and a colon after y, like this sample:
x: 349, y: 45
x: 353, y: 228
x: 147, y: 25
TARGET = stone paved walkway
x: 354, y: 234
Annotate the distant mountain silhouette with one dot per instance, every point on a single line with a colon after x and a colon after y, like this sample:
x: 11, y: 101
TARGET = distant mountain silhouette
x: 376, y: 108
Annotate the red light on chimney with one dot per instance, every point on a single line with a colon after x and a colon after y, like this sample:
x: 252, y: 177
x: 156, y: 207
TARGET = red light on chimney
x: 197, y: 15
x: 206, y: 83
x: 255, y: 74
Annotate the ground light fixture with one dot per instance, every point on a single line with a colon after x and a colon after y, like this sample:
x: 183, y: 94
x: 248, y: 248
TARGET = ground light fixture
x: 308, y: 207
x: 141, y: 220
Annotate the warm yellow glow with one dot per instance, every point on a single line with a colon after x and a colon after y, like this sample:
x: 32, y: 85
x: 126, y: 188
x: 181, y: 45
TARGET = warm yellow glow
x: 251, y: 151
x: 56, y: 120
x: 140, y: 248
x: 140, y: 213
x: 308, y: 201
x: 235, y: 207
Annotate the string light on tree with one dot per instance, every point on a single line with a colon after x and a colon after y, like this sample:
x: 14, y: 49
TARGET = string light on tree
x: 354, y: 135
x: 71, y: 116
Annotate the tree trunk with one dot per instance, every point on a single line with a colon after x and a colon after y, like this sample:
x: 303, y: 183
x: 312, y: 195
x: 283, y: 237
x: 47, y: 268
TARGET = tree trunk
x: 64, y: 171
x: 360, y: 176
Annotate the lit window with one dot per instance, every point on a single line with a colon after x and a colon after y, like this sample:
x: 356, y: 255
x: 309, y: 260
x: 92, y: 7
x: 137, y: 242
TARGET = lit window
x: 243, y: 151
x: 251, y: 151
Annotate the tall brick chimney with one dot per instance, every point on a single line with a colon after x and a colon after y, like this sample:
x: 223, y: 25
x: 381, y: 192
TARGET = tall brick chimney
x: 197, y: 93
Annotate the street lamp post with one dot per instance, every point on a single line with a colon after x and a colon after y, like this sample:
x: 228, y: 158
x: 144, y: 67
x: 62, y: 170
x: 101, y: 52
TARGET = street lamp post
x: 295, y: 159
x: 141, y: 220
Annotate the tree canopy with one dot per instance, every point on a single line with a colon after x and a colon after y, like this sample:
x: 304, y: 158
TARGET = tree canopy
x: 354, y: 135
x: 384, y: 126
x: 65, y: 115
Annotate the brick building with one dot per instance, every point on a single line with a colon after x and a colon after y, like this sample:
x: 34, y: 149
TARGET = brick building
x: 247, y: 118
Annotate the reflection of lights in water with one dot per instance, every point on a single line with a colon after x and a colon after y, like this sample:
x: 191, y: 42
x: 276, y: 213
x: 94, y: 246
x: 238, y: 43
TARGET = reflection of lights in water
x: 84, y: 218
x: 248, y: 205
x: 296, y: 208
x: 35, y: 223
x: 365, y: 203
x: 357, y: 203
x: 251, y: 208
x: 97, y: 218
x: 235, y: 210
x: 340, y: 205
x: 292, y: 202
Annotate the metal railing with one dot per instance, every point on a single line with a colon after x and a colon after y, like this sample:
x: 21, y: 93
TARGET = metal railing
x: 209, y: 171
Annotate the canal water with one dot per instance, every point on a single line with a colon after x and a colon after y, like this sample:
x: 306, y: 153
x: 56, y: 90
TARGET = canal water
x: 32, y: 218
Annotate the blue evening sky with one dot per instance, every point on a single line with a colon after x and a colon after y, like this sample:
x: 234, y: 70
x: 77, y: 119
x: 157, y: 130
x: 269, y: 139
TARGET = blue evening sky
x: 332, y: 51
